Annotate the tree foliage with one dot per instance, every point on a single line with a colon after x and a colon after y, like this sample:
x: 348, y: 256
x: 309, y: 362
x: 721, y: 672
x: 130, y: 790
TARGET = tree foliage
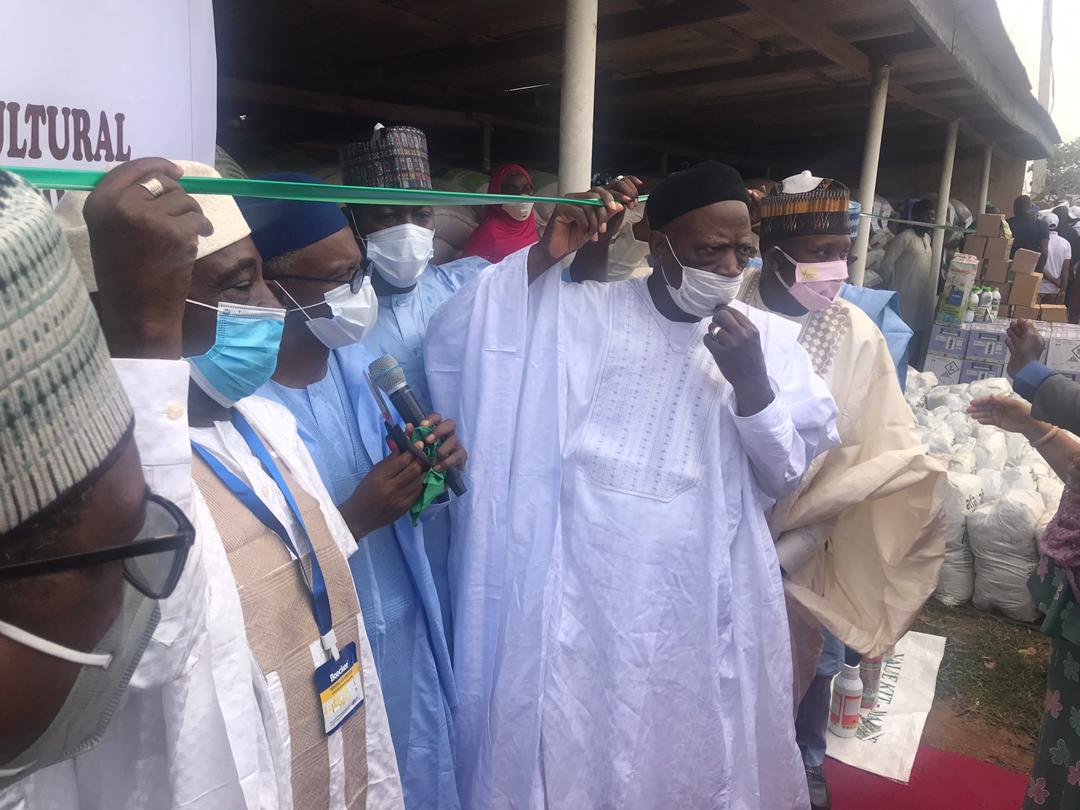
x: 1063, y: 173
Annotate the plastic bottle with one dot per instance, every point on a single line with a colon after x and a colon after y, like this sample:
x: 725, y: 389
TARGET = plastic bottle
x: 972, y: 305
x: 996, y: 302
x: 846, y: 702
x: 870, y: 674
x: 986, y: 301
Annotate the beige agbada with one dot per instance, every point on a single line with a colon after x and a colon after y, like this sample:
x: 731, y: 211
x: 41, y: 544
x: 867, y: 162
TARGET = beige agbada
x: 281, y: 630
x: 877, y: 498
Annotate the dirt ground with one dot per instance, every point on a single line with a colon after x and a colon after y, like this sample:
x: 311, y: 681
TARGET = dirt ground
x: 990, y: 688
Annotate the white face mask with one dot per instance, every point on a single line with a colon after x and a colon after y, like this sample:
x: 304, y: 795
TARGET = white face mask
x: 518, y: 210
x: 105, y: 673
x: 352, y: 315
x: 701, y: 292
x: 401, y: 253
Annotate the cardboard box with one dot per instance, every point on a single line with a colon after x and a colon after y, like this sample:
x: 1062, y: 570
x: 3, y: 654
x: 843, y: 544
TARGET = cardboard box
x: 1027, y: 313
x: 997, y: 248
x: 1025, y: 261
x: 986, y: 342
x: 995, y: 271
x: 1054, y: 313
x: 975, y: 246
x: 1005, y: 311
x: 950, y: 340
x: 990, y: 225
x: 947, y: 369
x: 1025, y: 291
x: 960, y: 278
x: 1063, y: 353
x: 975, y: 370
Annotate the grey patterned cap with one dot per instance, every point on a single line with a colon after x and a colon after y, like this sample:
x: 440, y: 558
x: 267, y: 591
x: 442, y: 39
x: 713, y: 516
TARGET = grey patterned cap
x: 62, y: 409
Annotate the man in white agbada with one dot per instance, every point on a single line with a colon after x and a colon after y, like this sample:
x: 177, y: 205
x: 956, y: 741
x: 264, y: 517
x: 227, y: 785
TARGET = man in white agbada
x: 859, y: 541
x: 164, y: 262
x: 621, y: 633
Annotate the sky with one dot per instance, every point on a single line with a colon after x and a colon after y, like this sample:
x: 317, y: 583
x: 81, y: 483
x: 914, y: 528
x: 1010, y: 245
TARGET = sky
x: 1023, y: 21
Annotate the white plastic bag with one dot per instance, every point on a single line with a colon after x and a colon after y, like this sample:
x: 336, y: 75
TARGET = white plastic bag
x: 935, y: 397
x: 1018, y: 447
x: 1002, y: 537
x: 992, y: 483
x: 993, y: 387
x: 941, y: 440
x: 963, y: 496
x: 1019, y: 478
x: 1050, y: 488
x: 991, y: 452
x: 962, y: 426
x: 962, y: 462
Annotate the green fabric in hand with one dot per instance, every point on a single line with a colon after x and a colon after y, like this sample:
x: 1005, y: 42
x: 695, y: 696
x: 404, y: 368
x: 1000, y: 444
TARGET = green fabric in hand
x: 434, y: 481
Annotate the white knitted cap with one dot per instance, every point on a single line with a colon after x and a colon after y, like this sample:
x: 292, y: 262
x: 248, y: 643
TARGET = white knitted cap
x: 222, y: 211
x: 62, y: 409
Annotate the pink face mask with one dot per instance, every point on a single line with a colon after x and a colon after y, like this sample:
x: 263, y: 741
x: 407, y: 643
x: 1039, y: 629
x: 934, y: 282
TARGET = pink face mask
x: 816, y: 283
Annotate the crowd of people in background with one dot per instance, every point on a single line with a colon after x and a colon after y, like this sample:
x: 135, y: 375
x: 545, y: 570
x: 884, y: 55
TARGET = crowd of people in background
x: 235, y: 571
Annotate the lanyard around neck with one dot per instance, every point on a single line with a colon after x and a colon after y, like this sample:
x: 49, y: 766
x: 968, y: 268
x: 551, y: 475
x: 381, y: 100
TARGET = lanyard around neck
x: 320, y: 600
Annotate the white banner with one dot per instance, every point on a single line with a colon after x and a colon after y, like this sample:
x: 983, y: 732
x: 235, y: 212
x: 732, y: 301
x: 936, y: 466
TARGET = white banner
x: 88, y: 83
x: 889, y: 735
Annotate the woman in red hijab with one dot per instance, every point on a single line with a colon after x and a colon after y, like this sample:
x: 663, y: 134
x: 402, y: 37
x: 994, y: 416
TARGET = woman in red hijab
x: 505, y: 228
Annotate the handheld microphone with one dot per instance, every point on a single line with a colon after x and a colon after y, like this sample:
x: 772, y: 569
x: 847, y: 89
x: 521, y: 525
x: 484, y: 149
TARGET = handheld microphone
x: 389, y: 377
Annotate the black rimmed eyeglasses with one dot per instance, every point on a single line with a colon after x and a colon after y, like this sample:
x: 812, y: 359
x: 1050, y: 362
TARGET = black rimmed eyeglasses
x: 153, y: 561
x: 356, y: 281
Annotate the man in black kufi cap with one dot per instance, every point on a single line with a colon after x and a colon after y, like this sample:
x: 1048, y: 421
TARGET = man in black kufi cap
x: 619, y: 616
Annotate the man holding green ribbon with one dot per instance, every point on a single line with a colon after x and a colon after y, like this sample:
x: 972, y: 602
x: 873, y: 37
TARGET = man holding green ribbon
x: 320, y: 275
x: 284, y: 608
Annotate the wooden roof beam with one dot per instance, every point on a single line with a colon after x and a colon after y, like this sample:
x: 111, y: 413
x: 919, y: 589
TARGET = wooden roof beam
x: 375, y: 12
x: 803, y: 25
x: 549, y: 42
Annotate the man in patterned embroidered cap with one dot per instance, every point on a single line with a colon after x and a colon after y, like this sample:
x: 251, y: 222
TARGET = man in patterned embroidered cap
x: 875, y: 499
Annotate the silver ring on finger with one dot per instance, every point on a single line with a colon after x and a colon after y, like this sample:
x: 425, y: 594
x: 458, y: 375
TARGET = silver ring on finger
x: 715, y: 329
x: 154, y: 186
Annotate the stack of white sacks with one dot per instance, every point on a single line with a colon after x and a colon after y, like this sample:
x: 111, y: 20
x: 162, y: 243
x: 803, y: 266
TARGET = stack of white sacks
x: 1001, y: 496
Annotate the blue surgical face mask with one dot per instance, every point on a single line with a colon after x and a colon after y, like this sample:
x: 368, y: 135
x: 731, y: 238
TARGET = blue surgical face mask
x: 244, y: 354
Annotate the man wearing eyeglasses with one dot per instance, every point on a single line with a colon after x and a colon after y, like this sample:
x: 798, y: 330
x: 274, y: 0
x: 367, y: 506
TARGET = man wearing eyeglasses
x: 293, y: 671
x: 317, y: 270
x: 91, y: 645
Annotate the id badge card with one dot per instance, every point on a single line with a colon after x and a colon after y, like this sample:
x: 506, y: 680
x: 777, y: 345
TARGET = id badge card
x: 340, y: 688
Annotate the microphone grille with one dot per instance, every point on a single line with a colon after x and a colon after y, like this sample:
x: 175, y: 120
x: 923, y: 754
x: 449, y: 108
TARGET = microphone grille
x: 386, y: 373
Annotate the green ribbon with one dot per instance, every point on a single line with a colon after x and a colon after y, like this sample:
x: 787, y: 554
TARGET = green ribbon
x: 81, y: 180
x: 434, y: 482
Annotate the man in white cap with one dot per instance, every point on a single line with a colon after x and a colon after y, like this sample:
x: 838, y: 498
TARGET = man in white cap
x: 620, y: 627
x: 1057, y: 267
x: 305, y: 718
x: 109, y: 692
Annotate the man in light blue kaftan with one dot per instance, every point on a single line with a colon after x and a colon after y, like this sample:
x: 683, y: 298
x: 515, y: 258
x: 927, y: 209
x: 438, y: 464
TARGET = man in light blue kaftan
x: 400, y: 243
x: 315, y: 266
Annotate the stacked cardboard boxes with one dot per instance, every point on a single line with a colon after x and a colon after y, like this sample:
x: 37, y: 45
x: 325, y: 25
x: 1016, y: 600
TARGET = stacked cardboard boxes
x: 965, y: 353
x: 991, y: 247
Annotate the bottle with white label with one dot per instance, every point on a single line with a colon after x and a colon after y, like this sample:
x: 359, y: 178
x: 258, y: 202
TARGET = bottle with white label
x: 986, y: 303
x: 972, y: 305
x: 846, y: 702
x: 996, y: 304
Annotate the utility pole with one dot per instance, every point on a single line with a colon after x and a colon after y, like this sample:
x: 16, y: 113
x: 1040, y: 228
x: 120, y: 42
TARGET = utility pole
x: 1046, y: 67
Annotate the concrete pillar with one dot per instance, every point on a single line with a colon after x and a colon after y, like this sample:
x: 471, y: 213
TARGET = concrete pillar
x: 984, y: 188
x: 879, y: 94
x: 937, y: 245
x: 578, y: 86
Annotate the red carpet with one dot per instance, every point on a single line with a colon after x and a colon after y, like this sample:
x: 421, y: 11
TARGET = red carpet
x: 939, y: 780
